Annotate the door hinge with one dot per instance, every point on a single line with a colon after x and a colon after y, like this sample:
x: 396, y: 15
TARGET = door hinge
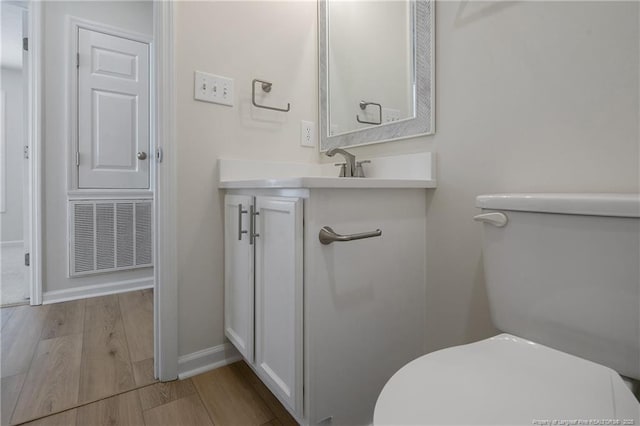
x: 77, y: 60
x: 25, y: 43
x: 27, y: 259
x: 159, y: 155
x: 77, y: 158
x: 25, y: 151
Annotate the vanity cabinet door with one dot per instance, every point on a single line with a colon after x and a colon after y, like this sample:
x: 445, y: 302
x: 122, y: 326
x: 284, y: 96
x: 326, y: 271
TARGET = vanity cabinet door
x: 279, y: 281
x: 238, y: 274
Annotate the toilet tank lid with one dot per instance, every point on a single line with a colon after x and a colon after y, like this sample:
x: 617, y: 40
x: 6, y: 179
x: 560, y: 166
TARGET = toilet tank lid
x: 617, y: 205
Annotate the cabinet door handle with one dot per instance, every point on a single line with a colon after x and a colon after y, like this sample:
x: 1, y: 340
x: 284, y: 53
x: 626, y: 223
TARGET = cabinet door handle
x: 328, y: 235
x: 252, y: 225
x: 240, y: 213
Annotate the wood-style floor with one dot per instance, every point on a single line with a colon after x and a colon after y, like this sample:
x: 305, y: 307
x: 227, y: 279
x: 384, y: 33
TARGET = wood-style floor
x: 89, y: 363
x: 59, y: 356
x: 230, y: 395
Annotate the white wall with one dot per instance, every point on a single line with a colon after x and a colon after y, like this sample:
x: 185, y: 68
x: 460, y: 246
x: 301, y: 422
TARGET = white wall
x: 12, y: 83
x: 530, y: 96
x: 274, y: 41
x: 129, y: 15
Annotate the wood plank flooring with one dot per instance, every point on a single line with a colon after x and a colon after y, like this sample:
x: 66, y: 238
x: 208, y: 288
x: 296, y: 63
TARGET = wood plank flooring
x: 60, y: 356
x: 90, y: 363
x: 52, y: 381
x: 106, y: 364
x: 230, y: 395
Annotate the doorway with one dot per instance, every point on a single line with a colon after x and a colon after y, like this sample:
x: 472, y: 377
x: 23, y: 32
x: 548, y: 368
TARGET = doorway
x: 106, y: 328
x: 14, y: 183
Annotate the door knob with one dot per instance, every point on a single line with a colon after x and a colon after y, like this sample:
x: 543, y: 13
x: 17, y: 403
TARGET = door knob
x: 142, y: 155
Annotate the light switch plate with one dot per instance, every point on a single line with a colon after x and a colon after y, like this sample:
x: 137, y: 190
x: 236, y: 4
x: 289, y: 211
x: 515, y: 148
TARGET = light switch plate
x: 307, y: 133
x: 213, y: 88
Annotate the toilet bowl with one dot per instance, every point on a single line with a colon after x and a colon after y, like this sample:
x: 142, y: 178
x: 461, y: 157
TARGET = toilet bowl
x: 505, y: 380
x: 563, y: 281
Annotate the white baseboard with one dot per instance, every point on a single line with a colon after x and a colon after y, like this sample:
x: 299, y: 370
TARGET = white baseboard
x: 206, y: 360
x: 16, y: 243
x: 76, y: 293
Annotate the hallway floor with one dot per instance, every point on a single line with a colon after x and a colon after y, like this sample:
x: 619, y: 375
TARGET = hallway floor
x: 59, y: 356
x: 14, y: 286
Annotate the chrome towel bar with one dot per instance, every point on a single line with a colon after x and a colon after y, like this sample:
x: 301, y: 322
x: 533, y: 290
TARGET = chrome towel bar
x: 328, y: 235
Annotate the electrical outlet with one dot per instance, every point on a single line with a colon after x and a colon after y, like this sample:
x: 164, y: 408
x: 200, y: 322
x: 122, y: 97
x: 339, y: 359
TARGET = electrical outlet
x: 213, y: 88
x: 307, y: 133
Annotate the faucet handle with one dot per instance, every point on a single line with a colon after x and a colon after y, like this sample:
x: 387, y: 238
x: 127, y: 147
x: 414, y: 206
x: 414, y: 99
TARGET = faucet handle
x: 359, y: 169
x: 343, y: 169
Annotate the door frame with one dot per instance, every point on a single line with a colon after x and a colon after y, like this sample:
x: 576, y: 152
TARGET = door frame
x: 163, y: 134
x: 34, y: 125
x: 166, y: 249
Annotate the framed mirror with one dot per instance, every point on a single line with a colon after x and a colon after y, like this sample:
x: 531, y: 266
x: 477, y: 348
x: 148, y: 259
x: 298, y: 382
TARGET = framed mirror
x: 376, y: 71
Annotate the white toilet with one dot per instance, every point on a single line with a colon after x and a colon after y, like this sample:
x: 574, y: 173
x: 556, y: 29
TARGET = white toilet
x: 563, y: 278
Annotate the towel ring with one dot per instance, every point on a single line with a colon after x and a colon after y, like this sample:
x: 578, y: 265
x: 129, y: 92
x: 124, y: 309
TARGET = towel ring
x: 266, y: 86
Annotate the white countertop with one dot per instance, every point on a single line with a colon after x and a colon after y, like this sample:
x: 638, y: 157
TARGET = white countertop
x: 400, y: 171
x: 327, y: 182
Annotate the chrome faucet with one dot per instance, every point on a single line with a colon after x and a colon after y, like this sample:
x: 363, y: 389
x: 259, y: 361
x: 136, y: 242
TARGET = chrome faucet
x: 349, y: 166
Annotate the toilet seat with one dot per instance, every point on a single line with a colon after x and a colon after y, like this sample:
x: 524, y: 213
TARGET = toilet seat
x: 503, y: 380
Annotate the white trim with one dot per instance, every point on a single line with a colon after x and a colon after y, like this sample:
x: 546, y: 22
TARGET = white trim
x: 206, y: 360
x: 166, y: 270
x: 15, y: 243
x: 34, y: 215
x: 84, y: 292
x: 110, y: 194
x: 3, y: 153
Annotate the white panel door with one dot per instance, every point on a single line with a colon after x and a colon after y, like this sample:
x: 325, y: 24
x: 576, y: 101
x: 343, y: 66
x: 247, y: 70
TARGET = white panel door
x: 279, y: 290
x: 113, y: 111
x: 238, y: 274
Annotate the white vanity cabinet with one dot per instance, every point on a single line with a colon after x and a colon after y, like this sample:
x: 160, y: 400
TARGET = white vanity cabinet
x: 264, y: 289
x: 326, y: 325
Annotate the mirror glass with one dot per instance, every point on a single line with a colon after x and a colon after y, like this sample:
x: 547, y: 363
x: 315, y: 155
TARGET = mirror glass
x: 375, y: 71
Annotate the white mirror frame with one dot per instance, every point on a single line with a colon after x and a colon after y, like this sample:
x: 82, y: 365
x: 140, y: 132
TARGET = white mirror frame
x: 423, y: 121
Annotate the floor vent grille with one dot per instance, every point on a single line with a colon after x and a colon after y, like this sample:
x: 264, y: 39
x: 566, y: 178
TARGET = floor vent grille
x: 110, y: 235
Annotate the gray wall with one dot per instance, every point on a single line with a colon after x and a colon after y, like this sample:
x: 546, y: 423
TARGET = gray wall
x: 128, y: 15
x: 12, y: 220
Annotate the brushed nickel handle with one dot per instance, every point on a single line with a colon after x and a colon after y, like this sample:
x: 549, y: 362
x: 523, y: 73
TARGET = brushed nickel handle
x: 142, y: 155
x: 252, y: 224
x: 328, y: 235
x: 496, y: 219
x: 240, y: 213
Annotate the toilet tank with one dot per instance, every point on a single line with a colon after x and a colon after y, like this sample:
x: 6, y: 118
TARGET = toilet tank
x: 565, y: 272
